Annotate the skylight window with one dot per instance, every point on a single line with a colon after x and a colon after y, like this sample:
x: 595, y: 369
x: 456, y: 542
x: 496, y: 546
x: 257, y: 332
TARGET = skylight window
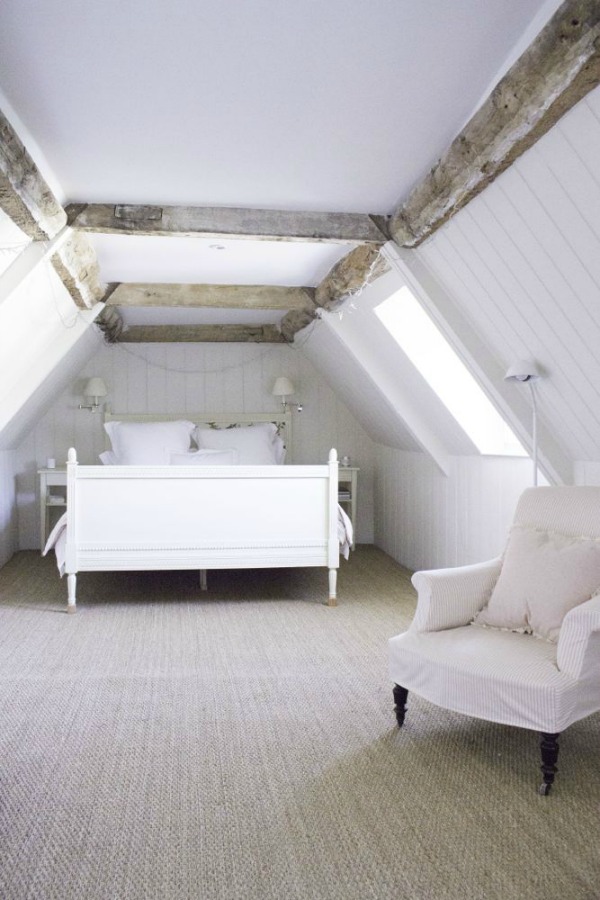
x: 446, y: 374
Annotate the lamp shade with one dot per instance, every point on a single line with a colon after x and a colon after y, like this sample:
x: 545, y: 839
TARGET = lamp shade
x: 523, y: 370
x: 283, y: 387
x: 95, y: 388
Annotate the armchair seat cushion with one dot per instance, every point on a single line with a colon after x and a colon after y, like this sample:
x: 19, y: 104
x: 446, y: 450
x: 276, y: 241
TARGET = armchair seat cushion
x: 496, y: 675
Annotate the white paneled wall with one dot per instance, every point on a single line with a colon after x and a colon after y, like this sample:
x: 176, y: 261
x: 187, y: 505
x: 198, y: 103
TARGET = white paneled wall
x: 522, y: 262
x: 8, y: 508
x: 190, y: 378
x: 426, y: 520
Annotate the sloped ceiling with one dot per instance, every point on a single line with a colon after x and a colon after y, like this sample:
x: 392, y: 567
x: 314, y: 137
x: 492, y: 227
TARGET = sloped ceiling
x: 315, y: 107
x: 331, y: 106
x: 522, y: 263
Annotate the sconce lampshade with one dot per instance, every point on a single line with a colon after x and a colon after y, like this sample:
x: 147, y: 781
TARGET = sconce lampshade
x: 95, y: 388
x: 523, y: 370
x: 283, y: 387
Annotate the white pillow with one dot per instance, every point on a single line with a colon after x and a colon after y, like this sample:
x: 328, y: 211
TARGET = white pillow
x: 255, y: 444
x: 205, y: 458
x: 544, y: 574
x: 108, y: 458
x: 148, y: 443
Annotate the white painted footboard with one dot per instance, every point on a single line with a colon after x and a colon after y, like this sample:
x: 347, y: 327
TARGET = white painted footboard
x: 192, y: 517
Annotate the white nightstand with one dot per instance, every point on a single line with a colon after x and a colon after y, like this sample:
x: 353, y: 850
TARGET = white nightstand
x: 53, y: 495
x: 347, y: 493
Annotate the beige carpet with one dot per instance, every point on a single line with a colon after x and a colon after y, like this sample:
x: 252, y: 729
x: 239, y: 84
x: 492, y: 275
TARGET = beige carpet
x: 241, y: 745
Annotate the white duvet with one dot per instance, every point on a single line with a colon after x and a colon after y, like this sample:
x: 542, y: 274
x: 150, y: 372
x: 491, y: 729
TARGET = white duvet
x: 58, y: 539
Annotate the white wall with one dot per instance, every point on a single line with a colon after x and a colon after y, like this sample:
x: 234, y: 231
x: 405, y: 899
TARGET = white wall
x: 192, y: 378
x: 8, y: 509
x: 522, y: 263
x: 426, y: 520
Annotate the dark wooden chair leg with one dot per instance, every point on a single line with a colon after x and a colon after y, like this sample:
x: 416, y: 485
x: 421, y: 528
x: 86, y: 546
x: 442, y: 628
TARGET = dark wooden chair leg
x: 400, y: 695
x: 549, y: 745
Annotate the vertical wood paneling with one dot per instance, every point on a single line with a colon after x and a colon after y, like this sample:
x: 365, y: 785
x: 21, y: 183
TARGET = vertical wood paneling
x: 191, y: 378
x: 522, y: 262
x: 425, y: 520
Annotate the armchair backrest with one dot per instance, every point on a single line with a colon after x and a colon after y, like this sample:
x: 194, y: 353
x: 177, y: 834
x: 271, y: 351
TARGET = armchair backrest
x: 570, y: 510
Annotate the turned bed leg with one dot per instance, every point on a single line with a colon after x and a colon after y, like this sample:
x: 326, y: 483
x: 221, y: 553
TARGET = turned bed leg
x: 71, y: 589
x: 400, y: 695
x: 332, y: 587
x: 203, y: 582
x: 549, y: 747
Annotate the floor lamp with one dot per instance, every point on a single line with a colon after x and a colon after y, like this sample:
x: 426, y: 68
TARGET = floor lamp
x: 526, y: 372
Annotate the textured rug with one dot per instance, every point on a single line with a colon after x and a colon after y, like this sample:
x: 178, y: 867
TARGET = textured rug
x: 241, y: 745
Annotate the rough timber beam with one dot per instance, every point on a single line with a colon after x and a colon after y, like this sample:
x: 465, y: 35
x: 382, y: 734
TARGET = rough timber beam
x: 24, y: 195
x: 224, y: 222
x: 223, y: 296
x: 256, y: 334
x: 349, y: 275
x: 28, y: 201
x: 77, y: 267
x: 559, y: 68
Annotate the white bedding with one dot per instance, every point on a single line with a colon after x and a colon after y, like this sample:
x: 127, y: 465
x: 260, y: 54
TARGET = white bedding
x: 57, y: 539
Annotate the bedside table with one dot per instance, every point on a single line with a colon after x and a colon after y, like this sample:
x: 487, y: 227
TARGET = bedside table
x: 53, y: 494
x: 347, y: 491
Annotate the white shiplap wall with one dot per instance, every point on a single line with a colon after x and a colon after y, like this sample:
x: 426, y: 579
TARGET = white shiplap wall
x: 522, y: 262
x: 195, y: 378
x: 8, y: 508
x: 426, y: 520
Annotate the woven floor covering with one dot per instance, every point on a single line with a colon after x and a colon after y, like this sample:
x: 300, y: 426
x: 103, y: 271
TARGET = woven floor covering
x: 241, y: 745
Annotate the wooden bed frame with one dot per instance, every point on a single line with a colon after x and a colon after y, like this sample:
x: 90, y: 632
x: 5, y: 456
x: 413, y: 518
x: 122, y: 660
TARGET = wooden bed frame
x: 209, y: 517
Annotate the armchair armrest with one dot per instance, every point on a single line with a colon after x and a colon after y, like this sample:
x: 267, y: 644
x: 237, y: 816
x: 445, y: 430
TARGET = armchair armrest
x: 578, y: 650
x: 449, y: 598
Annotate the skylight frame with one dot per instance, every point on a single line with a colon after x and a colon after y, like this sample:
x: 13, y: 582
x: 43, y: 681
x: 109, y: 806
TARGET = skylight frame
x: 422, y: 341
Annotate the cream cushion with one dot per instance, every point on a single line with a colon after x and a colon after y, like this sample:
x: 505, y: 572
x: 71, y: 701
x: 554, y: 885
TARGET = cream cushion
x: 544, y: 574
x: 205, y: 458
x: 256, y: 445
x: 148, y: 443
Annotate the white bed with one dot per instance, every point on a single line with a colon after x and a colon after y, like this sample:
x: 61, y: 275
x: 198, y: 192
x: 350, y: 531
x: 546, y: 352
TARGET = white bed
x: 149, y: 517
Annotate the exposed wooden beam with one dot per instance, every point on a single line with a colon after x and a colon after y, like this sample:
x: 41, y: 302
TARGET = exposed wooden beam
x: 77, y: 266
x: 559, y: 68
x: 224, y: 222
x: 256, y: 334
x: 24, y: 195
x: 223, y: 296
x: 349, y: 275
x: 28, y: 201
x: 110, y: 323
x: 295, y: 321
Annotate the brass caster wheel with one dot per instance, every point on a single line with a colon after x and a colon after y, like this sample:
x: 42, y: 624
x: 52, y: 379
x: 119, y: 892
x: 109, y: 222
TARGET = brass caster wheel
x: 544, y: 789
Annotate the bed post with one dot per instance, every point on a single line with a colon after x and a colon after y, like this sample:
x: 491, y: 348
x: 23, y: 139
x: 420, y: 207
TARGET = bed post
x: 332, y: 587
x: 71, y: 588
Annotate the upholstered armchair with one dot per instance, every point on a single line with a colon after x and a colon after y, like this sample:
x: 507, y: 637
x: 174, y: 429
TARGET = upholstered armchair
x: 515, y: 640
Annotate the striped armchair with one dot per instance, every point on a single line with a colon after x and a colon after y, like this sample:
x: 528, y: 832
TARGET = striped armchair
x: 515, y: 640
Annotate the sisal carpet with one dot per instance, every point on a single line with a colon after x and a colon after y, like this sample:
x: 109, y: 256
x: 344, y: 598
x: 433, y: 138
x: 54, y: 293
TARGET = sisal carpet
x: 241, y: 745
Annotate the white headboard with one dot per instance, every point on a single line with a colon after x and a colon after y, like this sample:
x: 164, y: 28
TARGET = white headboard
x: 282, y: 420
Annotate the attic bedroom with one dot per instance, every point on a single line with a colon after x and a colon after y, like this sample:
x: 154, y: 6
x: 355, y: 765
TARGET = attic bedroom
x: 299, y: 317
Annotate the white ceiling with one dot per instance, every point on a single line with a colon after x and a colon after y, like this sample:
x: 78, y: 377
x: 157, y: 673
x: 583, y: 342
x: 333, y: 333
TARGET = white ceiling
x: 284, y: 104
x: 193, y: 260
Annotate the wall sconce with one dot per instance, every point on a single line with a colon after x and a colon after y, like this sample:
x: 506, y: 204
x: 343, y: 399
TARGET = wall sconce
x: 525, y: 371
x: 283, y: 388
x: 94, y: 390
